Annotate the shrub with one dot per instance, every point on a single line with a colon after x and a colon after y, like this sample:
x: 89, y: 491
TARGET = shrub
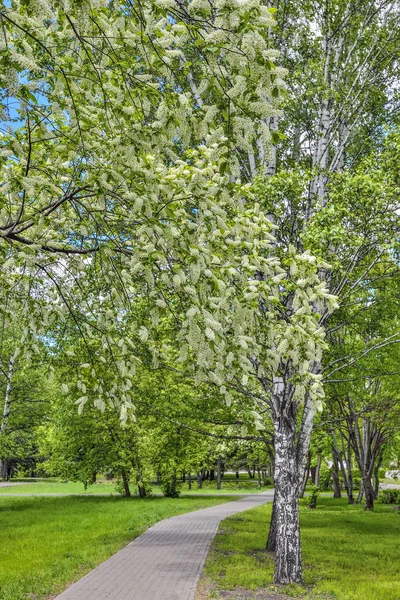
x: 312, y: 499
x: 325, y: 476
x: 232, y: 484
x: 240, y: 484
x: 390, y: 497
x: 170, y: 486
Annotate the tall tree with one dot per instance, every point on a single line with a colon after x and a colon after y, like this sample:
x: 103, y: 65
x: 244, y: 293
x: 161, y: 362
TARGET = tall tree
x: 343, y: 61
x: 122, y: 199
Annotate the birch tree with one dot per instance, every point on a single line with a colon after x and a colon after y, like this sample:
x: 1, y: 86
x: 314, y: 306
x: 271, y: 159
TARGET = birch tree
x: 343, y: 61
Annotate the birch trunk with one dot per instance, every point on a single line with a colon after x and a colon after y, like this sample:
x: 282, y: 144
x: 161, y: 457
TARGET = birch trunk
x: 6, y: 412
x: 288, y: 567
x: 303, y: 445
x: 7, y: 398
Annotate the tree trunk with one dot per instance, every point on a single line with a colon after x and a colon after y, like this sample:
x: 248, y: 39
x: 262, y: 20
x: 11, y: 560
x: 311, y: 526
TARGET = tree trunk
x: 199, y: 481
x: 6, y: 413
x: 303, y: 455
x: 376, y: 477
x: 259, y: 477
x: 212, y: 475
x: 189, y: 481
x: 7, y: 400
x: 313, y: 471
x: 318, y: 471
x: 360, y: 493
x: 346, y: 469
x: 337, y: 493
x: 288, y: 567
x: 350, y: 482
x: 271, y: 541
x: 369, y: 494
x: 125, y: 481
x: 306, y: 473
x: 4, y: 470
x: 237, y: 474
x: 219, y: 472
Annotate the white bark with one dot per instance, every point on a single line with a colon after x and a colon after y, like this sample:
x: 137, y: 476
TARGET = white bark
x: 7, y: 398
x: 288, y: 567
x: 270, y: 164
x: 303, y: 445
x: 7, y: 408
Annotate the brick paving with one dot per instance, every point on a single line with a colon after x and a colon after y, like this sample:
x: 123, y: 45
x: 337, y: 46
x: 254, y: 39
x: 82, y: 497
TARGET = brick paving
x: 165, y: 562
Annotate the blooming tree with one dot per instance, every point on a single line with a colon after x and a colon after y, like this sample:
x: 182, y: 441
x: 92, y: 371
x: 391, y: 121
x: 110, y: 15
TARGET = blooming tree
x: 123, y: 208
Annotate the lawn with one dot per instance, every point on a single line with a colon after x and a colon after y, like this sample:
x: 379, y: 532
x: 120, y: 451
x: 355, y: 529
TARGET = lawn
x: 71, y: 487
x: 58, y: 487
x: 348, y: 554
x: 46, y: 543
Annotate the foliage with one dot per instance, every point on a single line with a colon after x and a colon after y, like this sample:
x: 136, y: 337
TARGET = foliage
x: 313, y: 497
x: 89, y: 214
x: 170, y: 486
x: 390, y: 497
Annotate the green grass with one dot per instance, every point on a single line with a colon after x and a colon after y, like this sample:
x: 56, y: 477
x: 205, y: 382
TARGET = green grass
x: 388, y: 480
x: 70, y: 487
x: 58, y: 487
x: 348, y: 554
x: 46, y: 543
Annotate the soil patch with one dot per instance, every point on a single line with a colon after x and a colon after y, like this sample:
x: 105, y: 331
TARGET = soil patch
x: 205, y: 591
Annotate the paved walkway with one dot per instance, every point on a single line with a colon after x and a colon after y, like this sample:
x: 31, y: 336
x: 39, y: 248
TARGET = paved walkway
x: 12, y: 483
x: 165, y: 562
x: 389, y: 486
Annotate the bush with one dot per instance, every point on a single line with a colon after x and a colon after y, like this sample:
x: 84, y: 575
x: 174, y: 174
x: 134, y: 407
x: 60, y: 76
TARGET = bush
x: 267, y: 481
x: 325, y: 476
x: 390, y: 497
x: 170, y: 486
x: 312, y: 499
x: 240, y: 484
x: 232, y: 484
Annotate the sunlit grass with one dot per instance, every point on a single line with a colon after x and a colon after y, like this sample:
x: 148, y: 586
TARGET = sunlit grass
x: 348, y: 554
x: 58, y: 487
x: 47, y: 542
x: 109, y: 487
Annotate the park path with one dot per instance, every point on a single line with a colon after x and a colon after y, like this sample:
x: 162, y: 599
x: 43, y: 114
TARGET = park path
x: 13, y: 483
x: 165, y: 562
